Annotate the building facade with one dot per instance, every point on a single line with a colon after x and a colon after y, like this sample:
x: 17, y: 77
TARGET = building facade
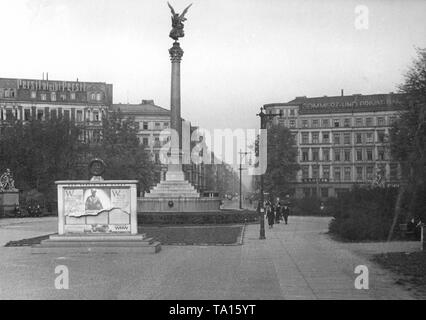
x: 30, y: 99
x: 151, y: 120
x: 342, y: 141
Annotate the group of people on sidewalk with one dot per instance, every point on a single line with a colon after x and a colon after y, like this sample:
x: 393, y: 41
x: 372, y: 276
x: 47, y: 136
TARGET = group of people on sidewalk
x: 275, y: 212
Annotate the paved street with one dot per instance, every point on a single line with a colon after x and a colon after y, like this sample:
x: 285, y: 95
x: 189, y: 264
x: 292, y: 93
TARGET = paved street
x: 296, y: 261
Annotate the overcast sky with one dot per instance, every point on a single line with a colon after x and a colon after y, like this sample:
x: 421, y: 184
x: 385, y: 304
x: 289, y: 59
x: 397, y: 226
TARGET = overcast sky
x: 239, y: 54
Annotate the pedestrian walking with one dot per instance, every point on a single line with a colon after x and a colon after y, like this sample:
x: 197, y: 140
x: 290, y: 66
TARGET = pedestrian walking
x: 278, y: 213
x: 270, y: 215
x: 286, y: 213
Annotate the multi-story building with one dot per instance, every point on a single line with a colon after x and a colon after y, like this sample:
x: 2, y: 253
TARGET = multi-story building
x: 341, y: 140
x: 151, y: 120
x: 83, y: 102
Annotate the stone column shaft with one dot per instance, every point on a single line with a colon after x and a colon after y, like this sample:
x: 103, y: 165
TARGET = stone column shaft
x: 175, y: 169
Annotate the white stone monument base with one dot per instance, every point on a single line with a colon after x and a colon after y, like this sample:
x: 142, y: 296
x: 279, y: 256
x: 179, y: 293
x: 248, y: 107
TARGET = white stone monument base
x: 103, y: 243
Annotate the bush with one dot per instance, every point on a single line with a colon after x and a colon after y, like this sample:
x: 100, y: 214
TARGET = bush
x: 184, y: 218
x: 310, y: 206
x: 364, y: 214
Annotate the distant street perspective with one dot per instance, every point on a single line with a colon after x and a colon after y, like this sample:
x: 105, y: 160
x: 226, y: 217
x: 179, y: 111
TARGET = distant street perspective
x: 215, y: 150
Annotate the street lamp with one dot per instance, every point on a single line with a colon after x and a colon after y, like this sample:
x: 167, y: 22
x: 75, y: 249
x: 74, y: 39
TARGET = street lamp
x: 241, y: 178
x: 262, y: 116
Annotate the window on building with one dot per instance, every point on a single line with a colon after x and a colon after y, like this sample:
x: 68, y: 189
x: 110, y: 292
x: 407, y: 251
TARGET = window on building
x: 53, y: 96
x: 347, y: 175
x: 305, y: 123
x: 381, y: 136
x: 79, y: 116
x: 63, y: 97
x: 326, y: 137
x: 315, y: 154
x: 325, y: 154
x: 381, y: 154
x: 9, y: 114
x: 43, y: 96
x: 305, y: 137
x: 369, y: 154
x: 369, y: 173
x: 307, y: 192
x: 315, y: 172
x: 40, y: 114
x: 358, y: 138
x: 33, y: 94
x: 166, y: 124
x: 325, y: 123
x: 315, y: 123
x: 72, y: 96
x: 67, y: 115
x: 336, y: 138
x: 281, y: 113
x: 315, y: 137
x: 27, y: 114
x: 157, y: 125
x: 393, y: 171
x: 292, y: 123
x: 96, y: 136
x: 381, y: 121
x: 145, y: 141
x: 359, y: 176
x: 358, y: 155
x: 305, y: 154
x: 347, y: 138
x: 95, y: 116
x: 305, y: 172
x: 369, y: 122
x: 326, y: 172
x: 347, y: 154
x: 98, y: 96
x: 292, y: 113
x: 337, y: 154
x: 336, y: 123
x: 347, y: 122
x: 324, y: 192
x: 369, y: 138
x: 358, y: 122
x: 145, y: 126
x: 336, y: 174
x: 93, y: 96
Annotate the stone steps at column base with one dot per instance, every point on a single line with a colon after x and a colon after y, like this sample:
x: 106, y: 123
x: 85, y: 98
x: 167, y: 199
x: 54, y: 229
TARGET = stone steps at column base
x: 172, y: 196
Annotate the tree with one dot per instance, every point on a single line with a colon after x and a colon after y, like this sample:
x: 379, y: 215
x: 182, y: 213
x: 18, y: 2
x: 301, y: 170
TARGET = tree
x: 282, y: 163
x: 40, y: 152
x: 408, y: 134
x: 122, y: 152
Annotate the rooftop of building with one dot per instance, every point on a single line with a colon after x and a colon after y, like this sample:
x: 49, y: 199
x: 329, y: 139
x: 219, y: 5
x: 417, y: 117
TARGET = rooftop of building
x: 145, y: 107
x: 50, y: 80
x: 344, y: 103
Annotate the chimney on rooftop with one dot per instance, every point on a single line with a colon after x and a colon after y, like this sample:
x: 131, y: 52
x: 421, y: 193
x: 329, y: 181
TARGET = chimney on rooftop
x: 47, y: 76
x: 42, y: 78
x: 342, y: 92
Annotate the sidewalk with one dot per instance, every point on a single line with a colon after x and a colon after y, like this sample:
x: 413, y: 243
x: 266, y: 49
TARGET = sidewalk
x: 12, y: 229
x: 309, y: 265
x: 296, y: 261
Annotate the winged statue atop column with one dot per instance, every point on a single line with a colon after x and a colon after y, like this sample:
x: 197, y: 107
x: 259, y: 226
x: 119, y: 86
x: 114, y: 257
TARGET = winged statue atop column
x: 177, y: 23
